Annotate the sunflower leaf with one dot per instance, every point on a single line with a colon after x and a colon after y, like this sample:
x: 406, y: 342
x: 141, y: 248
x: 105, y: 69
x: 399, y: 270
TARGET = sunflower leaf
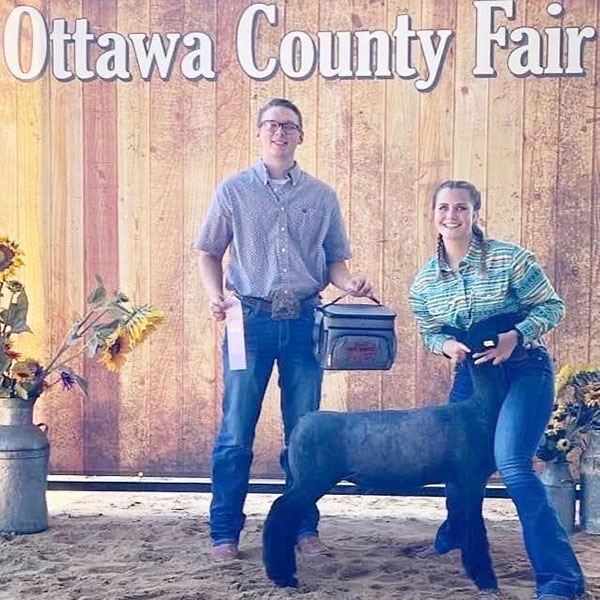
x: 82, y: 383
x: 20, y: 327
x: 98, y: 295
x: 15, y: 316
x: 93, y: 345
x: 105, y: 329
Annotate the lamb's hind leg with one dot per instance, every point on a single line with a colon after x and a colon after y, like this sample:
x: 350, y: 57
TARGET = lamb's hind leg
x: 475, y: 551
x: 281, y: 529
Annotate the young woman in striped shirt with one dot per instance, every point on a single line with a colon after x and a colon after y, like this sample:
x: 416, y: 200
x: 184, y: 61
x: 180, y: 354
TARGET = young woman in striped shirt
x: 470, y: 279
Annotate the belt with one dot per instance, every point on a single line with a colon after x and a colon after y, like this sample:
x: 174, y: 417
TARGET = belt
x: 265, y: 304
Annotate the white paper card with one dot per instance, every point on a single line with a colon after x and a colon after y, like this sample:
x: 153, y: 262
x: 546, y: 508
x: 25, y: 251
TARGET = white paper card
x: 236, y: 346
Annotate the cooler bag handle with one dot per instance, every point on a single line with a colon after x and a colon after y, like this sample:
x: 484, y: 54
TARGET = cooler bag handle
x: 346, y: 294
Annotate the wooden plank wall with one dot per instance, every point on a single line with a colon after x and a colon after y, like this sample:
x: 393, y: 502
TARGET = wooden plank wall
x: 115, y: 178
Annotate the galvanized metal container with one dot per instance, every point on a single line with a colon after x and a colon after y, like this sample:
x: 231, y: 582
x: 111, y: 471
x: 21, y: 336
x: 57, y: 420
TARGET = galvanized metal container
x: 560, y: 486
x: 24, y: 451
x: 590, y: 484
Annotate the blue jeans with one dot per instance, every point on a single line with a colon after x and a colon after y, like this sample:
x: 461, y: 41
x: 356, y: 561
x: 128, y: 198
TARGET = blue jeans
x: 521, y: 422
x: 288, y: 342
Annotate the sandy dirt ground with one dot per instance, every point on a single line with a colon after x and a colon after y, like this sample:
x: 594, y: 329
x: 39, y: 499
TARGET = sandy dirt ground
x: 121, y: 546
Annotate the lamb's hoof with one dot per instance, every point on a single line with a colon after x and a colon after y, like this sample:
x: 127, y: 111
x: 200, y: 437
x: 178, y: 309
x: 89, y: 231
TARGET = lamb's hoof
x: 285, y: 581
x: 487, y: 585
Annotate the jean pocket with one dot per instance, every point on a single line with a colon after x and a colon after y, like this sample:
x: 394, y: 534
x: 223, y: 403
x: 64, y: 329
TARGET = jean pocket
x: 250, y: 308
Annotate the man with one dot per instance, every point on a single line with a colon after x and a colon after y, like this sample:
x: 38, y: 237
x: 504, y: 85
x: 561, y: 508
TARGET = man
x: 287, y: 241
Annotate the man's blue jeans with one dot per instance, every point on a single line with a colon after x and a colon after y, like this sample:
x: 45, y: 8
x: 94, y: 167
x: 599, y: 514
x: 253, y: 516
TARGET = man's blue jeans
x: 289, y: 342
x: 521, y: 422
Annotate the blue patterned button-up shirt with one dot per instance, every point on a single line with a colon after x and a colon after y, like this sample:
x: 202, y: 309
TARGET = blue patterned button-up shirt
x: 514, y: 282
x: 279, y: 236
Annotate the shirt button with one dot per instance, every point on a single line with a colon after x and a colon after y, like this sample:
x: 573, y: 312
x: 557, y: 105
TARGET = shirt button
x: 283, y: 229
x: 285, y: 270
x: 282, y: 208
x: 283, y: 249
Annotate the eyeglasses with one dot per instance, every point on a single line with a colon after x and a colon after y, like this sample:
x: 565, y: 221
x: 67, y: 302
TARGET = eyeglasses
x: 287, y: 127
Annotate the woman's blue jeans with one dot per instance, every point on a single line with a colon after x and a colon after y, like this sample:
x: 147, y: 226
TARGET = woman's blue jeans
x: 289, y: 342
x: 521, y: 422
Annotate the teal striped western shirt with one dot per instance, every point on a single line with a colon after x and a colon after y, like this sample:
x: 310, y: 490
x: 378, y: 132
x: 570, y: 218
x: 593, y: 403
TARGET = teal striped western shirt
x: 512, y: 282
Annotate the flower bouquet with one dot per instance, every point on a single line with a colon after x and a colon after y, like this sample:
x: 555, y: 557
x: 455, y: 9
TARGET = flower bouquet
x: 110, y: 328
x: 575, y: 412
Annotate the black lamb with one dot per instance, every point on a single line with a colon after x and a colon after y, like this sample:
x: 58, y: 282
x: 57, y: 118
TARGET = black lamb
x: 396, y: 450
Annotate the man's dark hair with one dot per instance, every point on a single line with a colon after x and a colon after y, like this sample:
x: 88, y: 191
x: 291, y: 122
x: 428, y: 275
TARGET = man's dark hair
x: 280, y: 102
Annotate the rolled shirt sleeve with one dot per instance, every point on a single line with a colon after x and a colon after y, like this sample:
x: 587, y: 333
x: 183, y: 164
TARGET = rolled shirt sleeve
x: 216, y: 232
x: 335, y: 244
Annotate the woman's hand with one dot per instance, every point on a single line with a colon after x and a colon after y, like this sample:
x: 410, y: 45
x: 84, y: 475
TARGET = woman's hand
x: 507, y: 342
x: 455, y: 351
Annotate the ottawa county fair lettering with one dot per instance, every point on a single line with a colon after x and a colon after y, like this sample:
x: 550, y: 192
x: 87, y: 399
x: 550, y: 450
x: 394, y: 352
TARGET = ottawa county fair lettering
x: 553, y: 51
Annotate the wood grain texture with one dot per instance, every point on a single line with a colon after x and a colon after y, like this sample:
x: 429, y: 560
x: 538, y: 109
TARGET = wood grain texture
x: 62, y: 410
x: 400, y: 259
x: 198, y: 400
x: 166, y: 264
x: 135, y: 244
x: 8, y: 142
x: 471, y: 97
x: 504, y: 145
x: 574, y: 205
x: 540, y: 161
x: 101, y: 414
x: 32, y: 171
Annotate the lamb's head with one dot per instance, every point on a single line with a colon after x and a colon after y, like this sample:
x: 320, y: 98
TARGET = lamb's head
x: 489, y: 382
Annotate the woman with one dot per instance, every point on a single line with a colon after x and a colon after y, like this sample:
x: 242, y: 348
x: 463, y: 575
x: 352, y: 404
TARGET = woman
x: 470, y: 279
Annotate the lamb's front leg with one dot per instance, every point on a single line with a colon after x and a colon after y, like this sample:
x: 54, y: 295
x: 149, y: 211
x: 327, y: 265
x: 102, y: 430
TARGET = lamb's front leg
x: 451, y: 533
x: 476, y: 557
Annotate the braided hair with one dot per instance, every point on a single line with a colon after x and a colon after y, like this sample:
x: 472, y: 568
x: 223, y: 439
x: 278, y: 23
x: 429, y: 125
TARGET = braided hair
x: 475, y: 200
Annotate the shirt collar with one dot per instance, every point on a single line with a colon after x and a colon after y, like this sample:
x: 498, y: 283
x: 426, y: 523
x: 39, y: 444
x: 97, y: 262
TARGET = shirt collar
x: 263, y: 173
x: 473, y: 257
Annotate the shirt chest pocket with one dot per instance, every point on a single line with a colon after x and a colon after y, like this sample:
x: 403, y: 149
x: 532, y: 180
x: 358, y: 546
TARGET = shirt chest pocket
x: 305, y: 213
x: 307, y: 221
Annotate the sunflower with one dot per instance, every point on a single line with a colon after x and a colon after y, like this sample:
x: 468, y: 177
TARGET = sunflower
x: 10, y: 258
x: 142, y: 322
x: 591, y: 395
x: 25, y: 371
x: 563, y: 445
x: 117, y: 345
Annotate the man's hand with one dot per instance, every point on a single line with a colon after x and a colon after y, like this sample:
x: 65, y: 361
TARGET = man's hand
x: 216, y: 305
x: 507, y: 342
x: 455, y: 351
x: 360, y: 287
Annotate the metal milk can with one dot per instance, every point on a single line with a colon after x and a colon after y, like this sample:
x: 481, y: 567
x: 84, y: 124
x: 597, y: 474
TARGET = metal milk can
x: 24, y: 451
x: 590, y: 484
x: 560, y: 486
